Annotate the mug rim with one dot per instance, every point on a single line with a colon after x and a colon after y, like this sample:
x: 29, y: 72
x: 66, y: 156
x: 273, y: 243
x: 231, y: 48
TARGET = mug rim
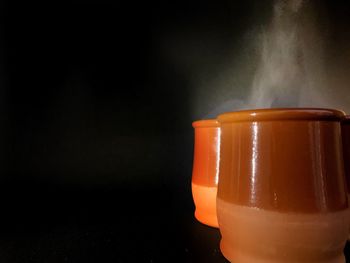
x: 205, y: 123
x: 346, y: 119
x: 273, y: 114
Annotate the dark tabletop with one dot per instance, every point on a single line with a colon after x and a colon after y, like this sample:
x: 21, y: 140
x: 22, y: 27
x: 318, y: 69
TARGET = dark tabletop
x: 62, y: 224
x: 45, y: 223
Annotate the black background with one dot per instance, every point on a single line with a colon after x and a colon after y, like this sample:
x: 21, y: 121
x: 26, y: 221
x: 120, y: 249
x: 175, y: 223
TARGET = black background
x: 96, y: 135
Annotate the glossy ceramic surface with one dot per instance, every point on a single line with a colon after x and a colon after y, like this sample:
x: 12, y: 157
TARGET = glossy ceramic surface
x: 206, y: 170
x: 290, y: 162
x: 281, y: 194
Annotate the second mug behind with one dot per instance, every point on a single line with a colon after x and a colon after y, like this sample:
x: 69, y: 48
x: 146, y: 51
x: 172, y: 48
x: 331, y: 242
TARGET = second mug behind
x: 206, y: 170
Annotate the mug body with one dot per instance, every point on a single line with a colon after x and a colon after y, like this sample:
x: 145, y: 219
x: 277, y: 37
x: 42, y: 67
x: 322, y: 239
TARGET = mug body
x: 206, y: 170
x: 281, y: 194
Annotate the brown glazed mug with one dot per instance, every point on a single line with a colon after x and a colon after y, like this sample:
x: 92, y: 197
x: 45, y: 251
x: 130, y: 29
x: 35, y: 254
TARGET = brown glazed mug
x: 206, y: 170
x: 281, y: 194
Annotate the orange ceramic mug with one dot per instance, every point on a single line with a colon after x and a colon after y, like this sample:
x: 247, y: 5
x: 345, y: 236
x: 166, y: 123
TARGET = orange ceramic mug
x: 281, y: 194
x: 206, y: 170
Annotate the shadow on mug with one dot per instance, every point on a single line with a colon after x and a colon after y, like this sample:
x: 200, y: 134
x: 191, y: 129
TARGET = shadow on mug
x: 345, y: 133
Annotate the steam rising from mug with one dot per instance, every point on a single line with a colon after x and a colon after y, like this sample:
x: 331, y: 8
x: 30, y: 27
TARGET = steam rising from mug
x: 290, y: 70
x: 281, y: 72
x: 290, y: 65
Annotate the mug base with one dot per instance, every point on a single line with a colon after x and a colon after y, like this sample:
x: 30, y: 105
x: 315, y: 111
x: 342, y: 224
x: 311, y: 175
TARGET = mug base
x: 237, y: 257
x: 262, y: 236
x: 205, y: 201
x: 206, y: 219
